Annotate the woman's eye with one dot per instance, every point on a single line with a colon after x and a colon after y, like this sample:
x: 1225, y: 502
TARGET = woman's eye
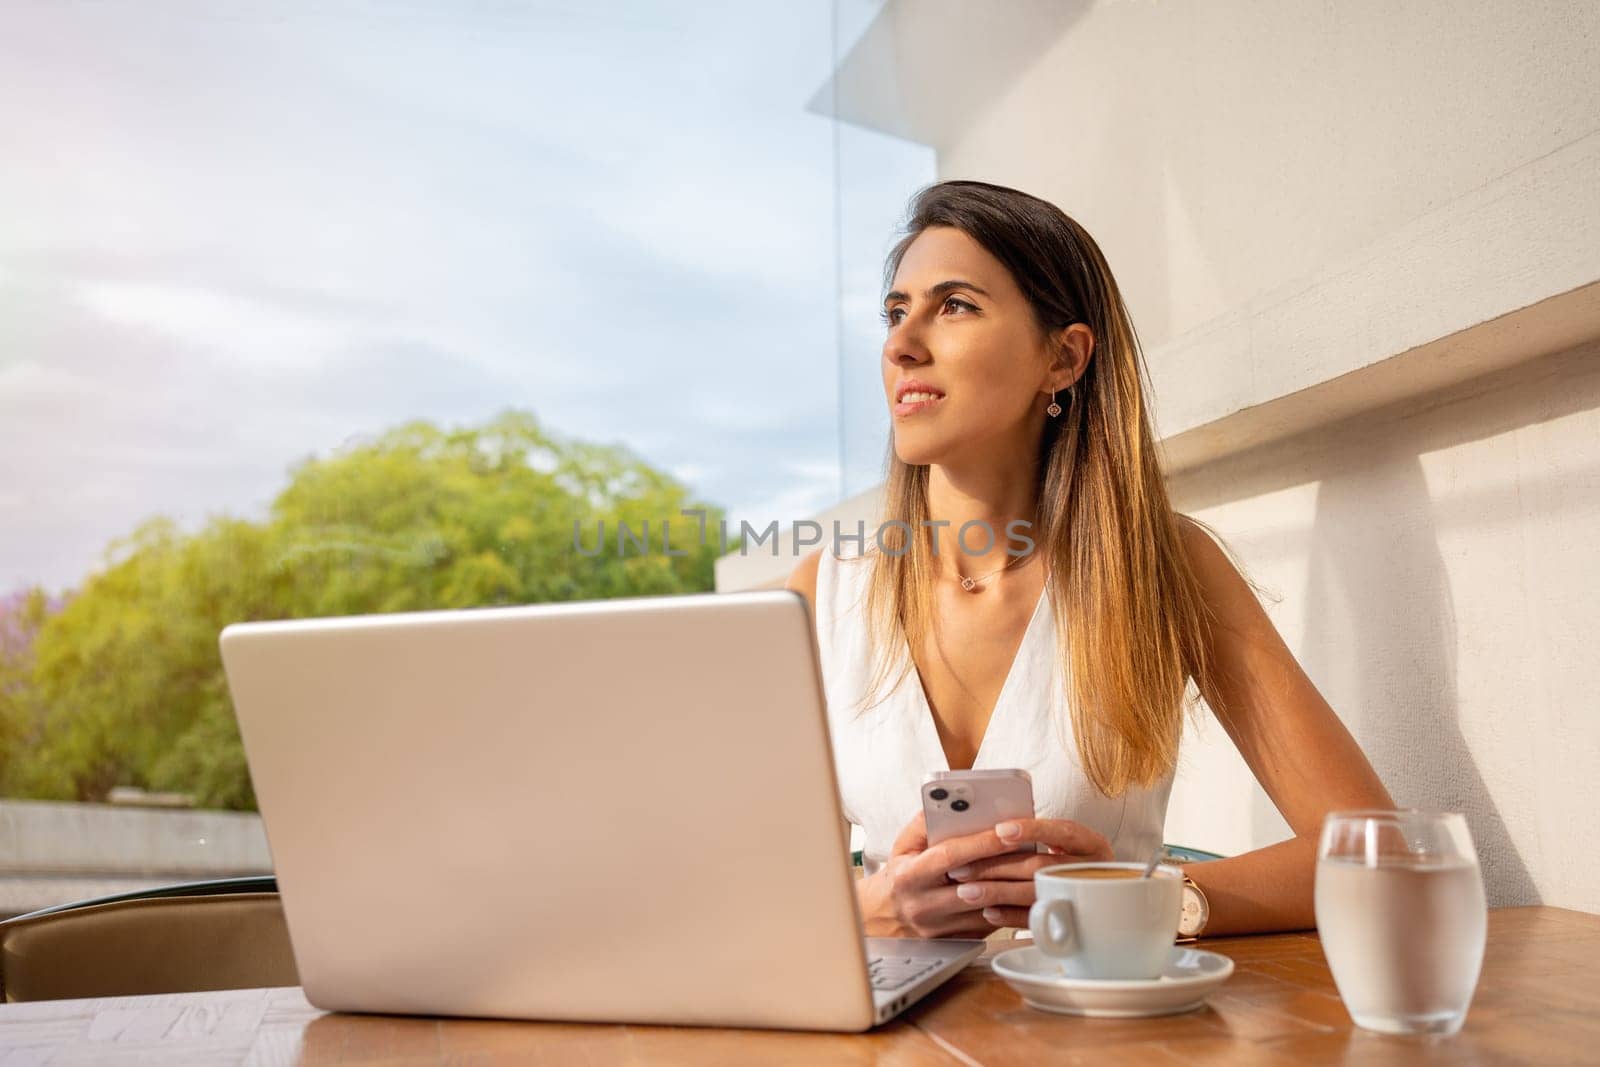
x: 892, y: 316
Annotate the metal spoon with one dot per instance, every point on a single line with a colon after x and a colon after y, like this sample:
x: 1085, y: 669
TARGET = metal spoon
x: 1155, y: 861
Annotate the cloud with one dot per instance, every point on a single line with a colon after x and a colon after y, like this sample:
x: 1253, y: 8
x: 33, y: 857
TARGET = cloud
x: 264, y: 335
x: 236, y: 240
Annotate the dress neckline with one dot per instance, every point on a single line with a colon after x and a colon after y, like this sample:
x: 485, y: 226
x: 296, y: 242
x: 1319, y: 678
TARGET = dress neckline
x: 928, y: 731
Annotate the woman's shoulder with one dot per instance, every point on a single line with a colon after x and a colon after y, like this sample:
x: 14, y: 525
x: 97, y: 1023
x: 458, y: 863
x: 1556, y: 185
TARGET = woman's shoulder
x: 1206, y: 551
x: 1231, y: 596
x: 1199, y: 541
x: 819, y: 566
x: 803, y: 579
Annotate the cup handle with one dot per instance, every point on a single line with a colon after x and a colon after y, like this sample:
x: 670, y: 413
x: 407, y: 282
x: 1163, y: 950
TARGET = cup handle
x: 1040, y: 922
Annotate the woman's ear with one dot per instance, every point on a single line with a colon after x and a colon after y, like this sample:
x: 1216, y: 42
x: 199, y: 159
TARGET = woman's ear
x: 1072, y: 345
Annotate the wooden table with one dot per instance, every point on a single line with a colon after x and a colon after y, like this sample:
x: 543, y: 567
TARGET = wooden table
x: 1537, y: 1002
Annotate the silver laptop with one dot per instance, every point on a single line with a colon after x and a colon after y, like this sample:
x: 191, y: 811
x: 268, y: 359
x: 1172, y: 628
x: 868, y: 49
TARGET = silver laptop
x: 609, y: 811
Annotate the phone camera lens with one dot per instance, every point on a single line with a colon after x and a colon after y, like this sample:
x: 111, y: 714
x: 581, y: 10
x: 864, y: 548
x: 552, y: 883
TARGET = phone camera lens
x: 940, y: 794
x: 959, y: 805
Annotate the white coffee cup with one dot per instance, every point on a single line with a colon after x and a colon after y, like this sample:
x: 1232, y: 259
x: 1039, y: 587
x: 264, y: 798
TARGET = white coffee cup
x: 1110, y: 924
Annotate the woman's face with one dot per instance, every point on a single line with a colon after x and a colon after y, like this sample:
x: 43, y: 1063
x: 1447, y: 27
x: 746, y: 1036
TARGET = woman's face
x: 966, y: 369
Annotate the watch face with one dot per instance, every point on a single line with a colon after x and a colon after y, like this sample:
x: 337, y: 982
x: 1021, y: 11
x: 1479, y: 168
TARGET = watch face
x: 1193, y: 916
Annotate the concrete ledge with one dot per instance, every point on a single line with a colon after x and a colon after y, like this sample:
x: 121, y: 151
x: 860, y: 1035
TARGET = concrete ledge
x: 1426, y: 307
x: 766, y: 568
x: 1558, y: 324
x: 101, y: 841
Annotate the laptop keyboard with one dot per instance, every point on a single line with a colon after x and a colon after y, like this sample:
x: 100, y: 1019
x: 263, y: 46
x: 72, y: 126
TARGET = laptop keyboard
x: 893, y: 972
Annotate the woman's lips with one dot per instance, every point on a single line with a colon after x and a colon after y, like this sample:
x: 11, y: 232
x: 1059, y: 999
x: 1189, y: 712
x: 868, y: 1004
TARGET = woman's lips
x: 916, y: 403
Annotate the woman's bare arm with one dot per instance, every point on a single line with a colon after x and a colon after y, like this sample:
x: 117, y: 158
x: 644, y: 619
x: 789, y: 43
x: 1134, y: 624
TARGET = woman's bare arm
x: 1296, y: 746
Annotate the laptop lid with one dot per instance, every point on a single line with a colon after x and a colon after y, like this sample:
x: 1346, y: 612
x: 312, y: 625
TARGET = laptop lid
x: 618, y: 810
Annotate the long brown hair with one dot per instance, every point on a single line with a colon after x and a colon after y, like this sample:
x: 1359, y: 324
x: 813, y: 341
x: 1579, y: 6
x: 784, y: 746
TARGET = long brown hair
x: 1130, y: 617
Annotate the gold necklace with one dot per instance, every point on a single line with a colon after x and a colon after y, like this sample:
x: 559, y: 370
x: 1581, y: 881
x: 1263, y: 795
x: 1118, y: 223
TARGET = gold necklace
x: 971, y: 584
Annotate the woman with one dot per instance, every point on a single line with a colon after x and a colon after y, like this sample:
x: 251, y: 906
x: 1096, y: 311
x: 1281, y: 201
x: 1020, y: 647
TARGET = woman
x: 1067, y: 646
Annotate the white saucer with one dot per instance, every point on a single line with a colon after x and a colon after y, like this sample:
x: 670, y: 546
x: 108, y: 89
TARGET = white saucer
x: 1190, y: 977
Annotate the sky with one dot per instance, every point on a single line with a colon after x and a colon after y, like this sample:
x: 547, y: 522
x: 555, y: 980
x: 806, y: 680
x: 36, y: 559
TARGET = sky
x: 236, y: 235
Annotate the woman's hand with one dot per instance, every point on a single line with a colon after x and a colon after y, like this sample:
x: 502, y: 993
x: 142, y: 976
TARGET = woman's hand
x: 968, y: 886
x: 1003, y: 885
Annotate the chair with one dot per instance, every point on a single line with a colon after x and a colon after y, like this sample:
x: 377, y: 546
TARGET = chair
x: 224, y: 934
x: 1181, y: 854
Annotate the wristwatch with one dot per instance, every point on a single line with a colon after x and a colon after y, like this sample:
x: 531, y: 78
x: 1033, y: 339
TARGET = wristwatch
x: 1192, y: 919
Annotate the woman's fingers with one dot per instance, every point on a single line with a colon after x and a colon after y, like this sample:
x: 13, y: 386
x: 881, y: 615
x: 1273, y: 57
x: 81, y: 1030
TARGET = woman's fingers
x: 936, y: 860
x: 1013, y: 865
x: 967, y: 886
x: 1017, y: 917
x: 1074, y: 839
x: 913, y: 838
x: 1074, y: 843
x: 953, y: 911
x: 979, y: 895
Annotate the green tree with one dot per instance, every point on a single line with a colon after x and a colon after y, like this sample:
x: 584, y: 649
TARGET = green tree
x: 124, y: 684
x: 22, y: 616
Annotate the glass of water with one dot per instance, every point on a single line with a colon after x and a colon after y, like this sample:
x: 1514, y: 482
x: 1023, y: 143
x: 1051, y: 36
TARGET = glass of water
x: 1401, y: 913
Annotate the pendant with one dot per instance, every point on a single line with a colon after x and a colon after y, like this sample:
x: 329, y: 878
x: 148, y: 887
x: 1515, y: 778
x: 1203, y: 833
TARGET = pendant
x: 969, y: 584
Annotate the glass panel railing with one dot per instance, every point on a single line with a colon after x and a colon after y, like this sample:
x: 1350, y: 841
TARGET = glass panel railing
x: 331, y: 306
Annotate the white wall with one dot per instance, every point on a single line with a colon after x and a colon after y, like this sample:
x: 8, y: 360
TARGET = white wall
x: 1221, y: 149
x: 1436, y: 564
x: 1362, y: 249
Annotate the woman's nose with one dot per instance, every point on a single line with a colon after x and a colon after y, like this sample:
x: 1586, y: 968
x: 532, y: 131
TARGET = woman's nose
x: 901, y: 350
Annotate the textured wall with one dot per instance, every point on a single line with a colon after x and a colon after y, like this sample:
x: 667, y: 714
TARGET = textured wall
x: 1219, y: 150
x: 1435, y: 569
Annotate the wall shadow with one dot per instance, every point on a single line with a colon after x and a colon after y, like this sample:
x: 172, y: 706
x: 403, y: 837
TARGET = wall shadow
x: 1394, y: 638
x: 1381, y: 627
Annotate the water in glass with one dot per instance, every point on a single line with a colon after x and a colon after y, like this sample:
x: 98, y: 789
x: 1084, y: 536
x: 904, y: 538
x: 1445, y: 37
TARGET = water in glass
x: 1401, y: 913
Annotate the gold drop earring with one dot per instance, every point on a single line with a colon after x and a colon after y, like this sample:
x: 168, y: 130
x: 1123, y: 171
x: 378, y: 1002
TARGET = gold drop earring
x: 1054, y: 409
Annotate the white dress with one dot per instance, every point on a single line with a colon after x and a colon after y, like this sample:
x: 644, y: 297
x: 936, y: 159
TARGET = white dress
x: 884, y: 753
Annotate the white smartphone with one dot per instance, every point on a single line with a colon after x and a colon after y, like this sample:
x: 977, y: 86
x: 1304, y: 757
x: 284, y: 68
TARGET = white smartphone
x: 955, y: 803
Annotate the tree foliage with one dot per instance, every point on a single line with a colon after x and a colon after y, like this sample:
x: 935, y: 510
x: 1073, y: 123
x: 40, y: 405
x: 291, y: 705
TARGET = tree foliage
x: 122, y: 684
